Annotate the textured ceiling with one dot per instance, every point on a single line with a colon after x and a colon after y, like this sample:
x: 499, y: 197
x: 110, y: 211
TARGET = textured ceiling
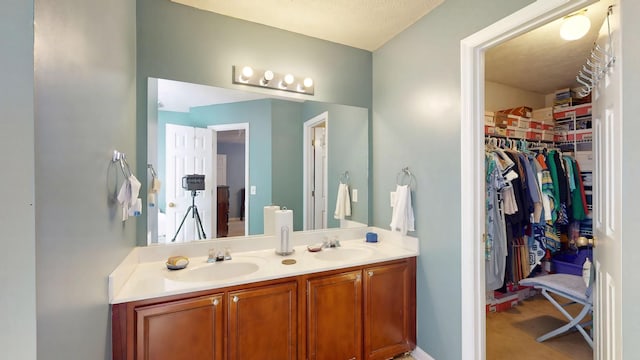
x: 541, y: 61
x: 363, y: 24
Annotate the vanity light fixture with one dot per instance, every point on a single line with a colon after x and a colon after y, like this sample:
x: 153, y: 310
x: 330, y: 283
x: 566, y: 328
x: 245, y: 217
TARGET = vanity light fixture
x: 287, y: 81
x: 266, y: 77
x: 575, y: 26
x: 306, y: 83
x: 247, y: 75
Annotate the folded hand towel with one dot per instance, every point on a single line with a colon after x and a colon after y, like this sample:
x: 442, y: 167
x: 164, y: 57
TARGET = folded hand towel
x: 128, y: 197
x: 402, y: 219
x: 343, y: 202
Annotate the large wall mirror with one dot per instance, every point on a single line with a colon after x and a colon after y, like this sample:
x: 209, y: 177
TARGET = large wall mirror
x: 254, y: 151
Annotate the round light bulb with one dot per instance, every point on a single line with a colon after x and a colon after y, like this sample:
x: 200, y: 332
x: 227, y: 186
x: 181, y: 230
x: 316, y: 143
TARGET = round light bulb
x: 289, y: 79
x: 308, y: 82
x: 268, y: 75
x: 574, y: 27
x: 247, y: 72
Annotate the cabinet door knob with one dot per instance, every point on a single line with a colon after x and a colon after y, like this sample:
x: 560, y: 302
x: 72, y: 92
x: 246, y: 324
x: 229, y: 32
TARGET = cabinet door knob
x: 370, y: 273
x: 172, y: 204
x: 235, y: 299
x: 215, y: 301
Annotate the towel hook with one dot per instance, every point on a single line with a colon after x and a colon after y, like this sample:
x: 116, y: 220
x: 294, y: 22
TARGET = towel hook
x: 344, y: 177
x: 153, y: 171
x: 403, y: 175
x: 121, y: 158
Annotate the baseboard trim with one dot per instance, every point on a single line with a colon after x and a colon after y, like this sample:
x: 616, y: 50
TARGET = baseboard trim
x: 419, y: 354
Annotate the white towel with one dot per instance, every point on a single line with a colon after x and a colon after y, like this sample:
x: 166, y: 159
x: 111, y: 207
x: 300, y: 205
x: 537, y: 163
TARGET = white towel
x: 343, y: 202
x: 128, y: 198
x: 402, y: 219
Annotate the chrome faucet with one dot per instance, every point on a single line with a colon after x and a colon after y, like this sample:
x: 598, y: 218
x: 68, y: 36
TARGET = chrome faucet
x: 219, y: 255
x: 331, y: 243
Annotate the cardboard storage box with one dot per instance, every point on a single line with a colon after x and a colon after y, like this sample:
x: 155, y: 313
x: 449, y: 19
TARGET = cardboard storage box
x: 533, y: 134
x: 535, y: 125
x: 515, y: 132
x: 578, y: 135
x: 547, y: 126
x: 544, y: 114
x: 523, y: 111
x: 504, y: 302
x: 567, y: 112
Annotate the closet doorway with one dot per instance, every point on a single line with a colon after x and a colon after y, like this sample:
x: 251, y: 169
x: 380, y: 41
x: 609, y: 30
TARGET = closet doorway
x: 607, y: 307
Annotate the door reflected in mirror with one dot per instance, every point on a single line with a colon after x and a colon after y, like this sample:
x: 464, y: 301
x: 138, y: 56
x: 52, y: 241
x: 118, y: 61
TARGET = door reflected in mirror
x: 254, y: 151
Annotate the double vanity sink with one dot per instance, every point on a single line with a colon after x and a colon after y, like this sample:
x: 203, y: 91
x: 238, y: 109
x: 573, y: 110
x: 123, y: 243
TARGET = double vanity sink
x: 262, y: 305
x: 143, y: 274
x: 244, y: 265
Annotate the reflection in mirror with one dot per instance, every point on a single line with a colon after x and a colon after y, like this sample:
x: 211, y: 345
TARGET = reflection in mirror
x: 254, y: 151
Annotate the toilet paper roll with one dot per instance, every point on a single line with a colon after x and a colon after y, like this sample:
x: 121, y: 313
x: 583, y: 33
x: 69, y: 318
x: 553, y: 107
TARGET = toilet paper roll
x: 283, y: 228
x: 269, y: 218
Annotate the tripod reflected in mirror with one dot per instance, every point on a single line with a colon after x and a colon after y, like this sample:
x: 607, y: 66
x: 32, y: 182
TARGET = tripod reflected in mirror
x: 193, y: 183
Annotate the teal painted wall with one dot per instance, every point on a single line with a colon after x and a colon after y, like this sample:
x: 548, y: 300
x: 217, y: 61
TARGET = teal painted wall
x: 181, y: 43
x: 287, y: 150
x: 85, y: 96
x: 258, y: 114
x: 348, y: 151
x: 416, y: 123
x: 17, y: 216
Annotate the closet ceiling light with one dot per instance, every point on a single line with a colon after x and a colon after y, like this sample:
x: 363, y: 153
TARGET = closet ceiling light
x: 575, y: 26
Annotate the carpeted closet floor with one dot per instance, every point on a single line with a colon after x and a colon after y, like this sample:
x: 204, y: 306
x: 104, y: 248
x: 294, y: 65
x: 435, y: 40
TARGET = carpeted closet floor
x: 512, y: 334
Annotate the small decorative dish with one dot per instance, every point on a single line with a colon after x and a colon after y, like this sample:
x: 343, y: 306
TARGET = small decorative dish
x: 314, y: 248
x: 176, y: 267
x: 177, y: 262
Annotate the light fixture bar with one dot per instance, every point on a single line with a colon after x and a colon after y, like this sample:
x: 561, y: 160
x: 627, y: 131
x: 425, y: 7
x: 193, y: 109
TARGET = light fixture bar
x: 264, y: 78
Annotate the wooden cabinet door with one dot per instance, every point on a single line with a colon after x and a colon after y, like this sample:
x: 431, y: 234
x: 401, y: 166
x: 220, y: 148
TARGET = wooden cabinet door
x: 189, y: 329
x: 263, y: 323
x: 389, y: 306
x: 334, y: 317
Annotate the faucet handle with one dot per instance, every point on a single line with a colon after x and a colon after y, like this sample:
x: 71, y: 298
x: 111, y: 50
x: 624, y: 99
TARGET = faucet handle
x: 212, y: 255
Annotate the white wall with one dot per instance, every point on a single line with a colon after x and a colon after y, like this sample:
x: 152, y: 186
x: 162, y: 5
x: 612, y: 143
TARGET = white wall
x: 17, y: 215
x: 85, y: 108
x: 498, y: 96
x: 630, y: 62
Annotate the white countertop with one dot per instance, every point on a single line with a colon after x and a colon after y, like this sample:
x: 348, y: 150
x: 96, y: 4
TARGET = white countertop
x: 144, y: 275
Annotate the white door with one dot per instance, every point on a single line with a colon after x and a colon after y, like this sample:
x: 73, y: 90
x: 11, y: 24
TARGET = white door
x: 607, y: 201
x: 319, y: 170
x: 188, y: 151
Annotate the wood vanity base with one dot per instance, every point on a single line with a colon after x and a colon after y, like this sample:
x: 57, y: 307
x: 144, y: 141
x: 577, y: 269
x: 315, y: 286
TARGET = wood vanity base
x: 364, y: 312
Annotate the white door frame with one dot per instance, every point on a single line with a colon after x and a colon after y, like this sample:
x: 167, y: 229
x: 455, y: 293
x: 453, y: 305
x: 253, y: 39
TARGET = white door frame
x: 472, y: 51
x: 245, y: 127
x: 307, y: 134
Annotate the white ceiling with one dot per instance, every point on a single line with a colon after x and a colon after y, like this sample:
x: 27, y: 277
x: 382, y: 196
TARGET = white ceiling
x: 180, y: 96
x: 363, y: 24
x: 540, y: 61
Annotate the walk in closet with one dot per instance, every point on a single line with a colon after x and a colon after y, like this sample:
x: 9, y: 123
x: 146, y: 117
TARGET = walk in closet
x: 539, y: 182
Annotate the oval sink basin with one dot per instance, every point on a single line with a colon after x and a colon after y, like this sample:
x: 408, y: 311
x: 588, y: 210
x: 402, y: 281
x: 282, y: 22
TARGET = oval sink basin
x: 343, y: 254
x: 214, y: 271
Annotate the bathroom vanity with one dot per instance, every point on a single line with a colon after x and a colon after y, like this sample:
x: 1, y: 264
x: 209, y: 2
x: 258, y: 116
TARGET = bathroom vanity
x: 356, y: 301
